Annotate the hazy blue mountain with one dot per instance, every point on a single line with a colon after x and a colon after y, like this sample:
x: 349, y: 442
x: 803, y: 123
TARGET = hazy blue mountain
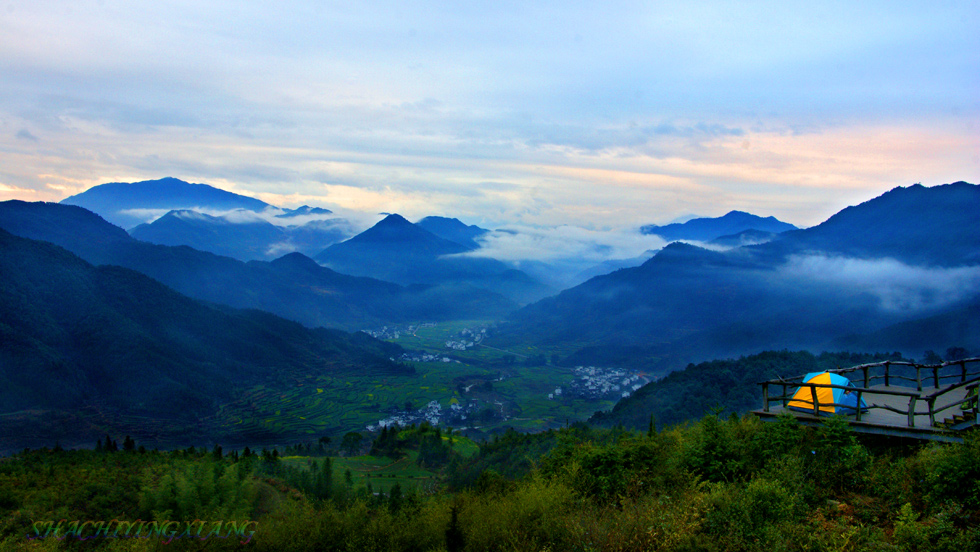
x: 321, y: 297
x: 129, y: 204
x: 88, y: 345
x: 243, y: 240
x: 241, y: 237
x: 310, y: 238
x: 747, y: 237
x: 688, y: 304
x: 398, y: 251
x: 707, y: 229
x: 305, y: 210
x: 938, y: 225
x: 453, y: 230
x: 607, y: 267
x: 955, y: 327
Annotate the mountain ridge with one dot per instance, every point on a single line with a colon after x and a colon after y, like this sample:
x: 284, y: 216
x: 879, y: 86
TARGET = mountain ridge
x: 113, y: 199
x: 688, y: 304
x: 109, y: 339
x: 707, y: 229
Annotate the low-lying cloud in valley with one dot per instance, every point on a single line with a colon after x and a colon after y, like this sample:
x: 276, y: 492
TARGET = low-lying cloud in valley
x: 527, y: 243
x: 897, y: 286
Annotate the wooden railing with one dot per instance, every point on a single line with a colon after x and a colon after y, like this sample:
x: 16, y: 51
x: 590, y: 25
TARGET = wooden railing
x: 882, y: 371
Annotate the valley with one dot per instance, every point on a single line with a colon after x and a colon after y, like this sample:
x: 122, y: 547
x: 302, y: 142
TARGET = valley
x: 449, y: 341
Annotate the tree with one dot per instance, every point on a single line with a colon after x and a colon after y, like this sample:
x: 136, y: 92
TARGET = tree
x: 395, y: 497
x: 957, y: 353
x: 455, y: 542
x: 129, y: 444
x: 351, y: 442
x: 323, y: 481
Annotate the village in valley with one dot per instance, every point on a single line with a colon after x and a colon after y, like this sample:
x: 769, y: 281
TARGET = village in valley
x: 481, y: 396
x: 592, y: 382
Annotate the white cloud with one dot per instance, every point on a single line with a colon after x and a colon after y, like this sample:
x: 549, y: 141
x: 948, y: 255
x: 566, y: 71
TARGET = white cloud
x: 897, y: 286
x: 526, y: 243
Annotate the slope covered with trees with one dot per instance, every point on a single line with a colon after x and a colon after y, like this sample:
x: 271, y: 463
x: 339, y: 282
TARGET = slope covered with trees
x: 115, y: 342
x: 719, y: 485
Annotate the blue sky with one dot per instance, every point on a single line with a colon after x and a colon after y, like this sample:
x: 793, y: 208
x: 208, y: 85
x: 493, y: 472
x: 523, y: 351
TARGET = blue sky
x: 599, y: 115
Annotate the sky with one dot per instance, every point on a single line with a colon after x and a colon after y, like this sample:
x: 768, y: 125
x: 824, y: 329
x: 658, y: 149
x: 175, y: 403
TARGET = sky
x: 602, y: 116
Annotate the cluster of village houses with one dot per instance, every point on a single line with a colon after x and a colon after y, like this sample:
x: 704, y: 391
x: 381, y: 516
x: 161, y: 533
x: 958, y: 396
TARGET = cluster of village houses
x: 467, y: 339
x: 423, y: 357
x: 592, y: 382
x: 434, y: 413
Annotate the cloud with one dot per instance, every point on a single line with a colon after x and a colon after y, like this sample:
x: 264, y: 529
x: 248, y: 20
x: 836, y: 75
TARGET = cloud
x: 897, y: 286
x: 280, y: 249
x: 647, y: 109
x: 24, y: 134
x: 526, y: 243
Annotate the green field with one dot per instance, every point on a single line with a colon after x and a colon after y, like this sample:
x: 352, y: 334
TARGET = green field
x: 316, y: 405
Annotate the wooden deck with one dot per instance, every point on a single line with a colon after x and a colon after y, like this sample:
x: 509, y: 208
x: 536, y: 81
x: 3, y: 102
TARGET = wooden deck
x: 935, y: 409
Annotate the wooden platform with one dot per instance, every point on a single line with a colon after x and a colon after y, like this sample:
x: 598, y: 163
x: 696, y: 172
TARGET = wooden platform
x: 919, y: 411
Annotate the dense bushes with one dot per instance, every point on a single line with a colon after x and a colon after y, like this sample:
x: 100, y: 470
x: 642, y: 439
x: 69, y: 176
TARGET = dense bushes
x: 720, y: 484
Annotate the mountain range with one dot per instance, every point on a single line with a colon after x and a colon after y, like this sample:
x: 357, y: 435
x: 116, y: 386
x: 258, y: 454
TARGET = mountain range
x: 907, y: 255
x: 396, y: 250
x: 428, y: 253
x: 707, y: 229
x: 294, y: 287
x: 243, y: 237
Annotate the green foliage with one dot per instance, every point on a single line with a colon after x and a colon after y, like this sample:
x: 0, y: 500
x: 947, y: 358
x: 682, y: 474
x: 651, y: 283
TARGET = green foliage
x: 723, y: 450
x: 721, y: 484
x: 839, y: 461
x: 953, y: 473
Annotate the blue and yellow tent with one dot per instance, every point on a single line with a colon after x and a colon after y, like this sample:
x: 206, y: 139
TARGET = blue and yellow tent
x: 831, y: 400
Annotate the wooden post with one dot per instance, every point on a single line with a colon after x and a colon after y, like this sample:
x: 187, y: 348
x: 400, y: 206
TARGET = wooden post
x: 816, y: 401
x: 886, y: 374
x: 932, y: 414
x: 765, y: 397
x: 858, y: 418
x: 912, y: 411
x: 935, y: 376
x: 785, y: 400
x: 976, y: 403
x: 866, y: 377
x: 918, y: 378
x: 962, y: 371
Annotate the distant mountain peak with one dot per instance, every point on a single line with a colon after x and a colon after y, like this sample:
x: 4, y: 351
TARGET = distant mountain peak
x: 128, y: 204
x: 394, y: 219
x: 305, y: 210
x: 707, y: 229
x: 454, y: 230
x: 296, y: 260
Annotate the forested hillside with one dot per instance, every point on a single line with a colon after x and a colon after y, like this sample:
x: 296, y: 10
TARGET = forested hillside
x: 719, y: 485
